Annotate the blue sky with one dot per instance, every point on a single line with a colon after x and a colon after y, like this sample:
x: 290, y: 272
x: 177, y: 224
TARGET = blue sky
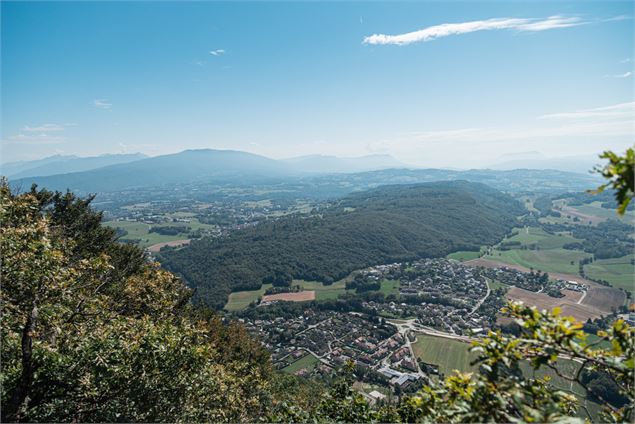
x: 432, y: 83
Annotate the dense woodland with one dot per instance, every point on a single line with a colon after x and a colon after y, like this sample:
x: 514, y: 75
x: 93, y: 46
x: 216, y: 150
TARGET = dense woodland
x: 387, y: 224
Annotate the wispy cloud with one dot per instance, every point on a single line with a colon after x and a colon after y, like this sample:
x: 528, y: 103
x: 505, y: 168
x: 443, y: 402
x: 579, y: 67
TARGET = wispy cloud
x: 624, y: 75
x: 217, y: 52
x: 445, y: 30
x: 620, y: 110
x: 44, y: 128
x: 102, y: 104
x: 41, y: 138
x: 627, y: 60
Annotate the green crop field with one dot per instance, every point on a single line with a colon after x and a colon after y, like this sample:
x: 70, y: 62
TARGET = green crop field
x: 617, y: 271
x: 495, y: 284
x: 448, y: 354
x: 596, y: 209
x: 390, y: 287
x: 550, y: 260
x: 242, y: 299
x: 309, y: 362
x: 537, y: 236
x: 464, y: 255
x: 141, y: 230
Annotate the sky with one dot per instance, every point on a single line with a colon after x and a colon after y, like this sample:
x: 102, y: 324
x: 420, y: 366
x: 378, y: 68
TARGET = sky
x: 437, y: 84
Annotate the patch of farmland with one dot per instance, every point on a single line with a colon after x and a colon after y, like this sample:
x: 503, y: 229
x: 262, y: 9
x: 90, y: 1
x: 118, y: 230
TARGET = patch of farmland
x: 568, y: 304
x: 620, y: 272
x: 175, y: 243
x: 464, y: 255
x: 604, y: 298
x: 301, y: 296
x: 447, y: 354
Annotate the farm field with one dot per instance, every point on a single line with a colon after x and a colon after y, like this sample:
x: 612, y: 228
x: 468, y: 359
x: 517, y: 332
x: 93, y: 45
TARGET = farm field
x: 389, y: 287
x: 242, y: 299
x: 302, y: 296
x: 176, y: 243
x: 548, y: 260
x: 617, y: 271
x: 569, y: 304
x: 464, y: 255
x: 448, y: 354
x: 537, y: 236
x: 308, y: 362
x: 141, y: 230
x: 495, y: 284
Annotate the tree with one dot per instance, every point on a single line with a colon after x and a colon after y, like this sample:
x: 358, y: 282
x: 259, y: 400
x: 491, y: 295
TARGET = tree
x: 85, y: 338
x: 620, y: 171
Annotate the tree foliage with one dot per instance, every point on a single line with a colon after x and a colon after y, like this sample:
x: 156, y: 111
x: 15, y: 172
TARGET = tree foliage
x: 620, y: 171
x: 91, y: 332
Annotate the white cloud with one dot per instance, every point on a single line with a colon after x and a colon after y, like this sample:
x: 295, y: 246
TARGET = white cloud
x: 44, y: 128
x: 620, y: 110
x: 41, y: 138
x: 445, y: 30
x: 627, y: 60
x: 102, y: 104
x: 624, y: 75
x: 218, y: 52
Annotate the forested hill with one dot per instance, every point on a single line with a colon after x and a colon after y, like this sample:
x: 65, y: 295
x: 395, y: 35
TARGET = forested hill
x: 388, y: 224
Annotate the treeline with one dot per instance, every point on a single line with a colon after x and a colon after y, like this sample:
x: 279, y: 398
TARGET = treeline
x: 609, y: 239
x: 384, y: 225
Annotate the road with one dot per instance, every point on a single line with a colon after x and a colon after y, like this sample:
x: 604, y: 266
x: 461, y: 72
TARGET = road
x: 480, y: 302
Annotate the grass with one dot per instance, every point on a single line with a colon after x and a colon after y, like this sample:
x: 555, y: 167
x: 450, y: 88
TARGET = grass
x: 596, y: 209
x: 549, y: 260
x: 464, y: 255
x: 537, y: 236
x: 495, y: 284
x: 242, y: 299
x: 617, y: 271
x: 389, y: 287
x: 141, y: 230
x: 309, y: 362
x: 448, y: 354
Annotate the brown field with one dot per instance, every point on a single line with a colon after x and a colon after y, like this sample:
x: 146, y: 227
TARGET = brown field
x: 595, y: 220
x: 604, y: 297
x: 156, y: 247
x: 291, y: 297
x: 568, y: 303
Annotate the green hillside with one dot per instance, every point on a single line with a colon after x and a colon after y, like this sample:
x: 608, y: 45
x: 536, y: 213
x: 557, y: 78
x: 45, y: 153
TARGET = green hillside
x: 388, y: 224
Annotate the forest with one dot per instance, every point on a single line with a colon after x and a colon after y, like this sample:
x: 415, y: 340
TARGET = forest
x: 383, y: 225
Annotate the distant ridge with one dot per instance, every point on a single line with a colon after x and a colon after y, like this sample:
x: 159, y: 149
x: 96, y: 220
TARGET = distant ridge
x: 63, y: 164
x: 334, y: 164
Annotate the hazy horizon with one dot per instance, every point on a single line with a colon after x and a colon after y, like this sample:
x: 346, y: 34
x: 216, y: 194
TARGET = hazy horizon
x: 441, y: 85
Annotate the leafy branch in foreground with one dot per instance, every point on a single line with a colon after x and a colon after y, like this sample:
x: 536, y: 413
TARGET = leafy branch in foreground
x: 621, y: 175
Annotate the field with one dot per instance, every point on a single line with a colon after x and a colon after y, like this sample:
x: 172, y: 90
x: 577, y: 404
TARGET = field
x: 464, y: 255
x: 389, y: 287
x: 308, y: 362
x: 157, y: 247
x: 302, y: 296
x: 568, y: 304
x: 242, y: 299
x: 141, y: 230
x: 495, y: 284
x: 448, y: 354
x: 618, y: 271
x: 549, y: 260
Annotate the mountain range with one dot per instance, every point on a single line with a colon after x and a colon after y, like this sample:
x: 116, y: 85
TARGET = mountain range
x: 63, y: 164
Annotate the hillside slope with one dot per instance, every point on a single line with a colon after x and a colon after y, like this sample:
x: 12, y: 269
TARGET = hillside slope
x: 388, y: 224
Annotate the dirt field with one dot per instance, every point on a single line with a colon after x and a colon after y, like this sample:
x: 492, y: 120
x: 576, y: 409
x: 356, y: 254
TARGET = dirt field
x: 568, y: 304
x: 595, y: 220
x: 599, y: 300
x: 291, y: 297
x: 156, y: 247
